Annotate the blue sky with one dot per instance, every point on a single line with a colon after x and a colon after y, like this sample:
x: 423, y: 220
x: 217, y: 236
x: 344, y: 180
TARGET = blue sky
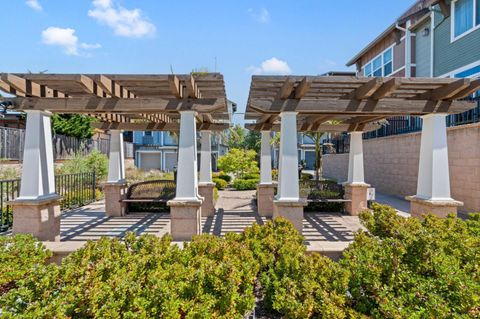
x: 304, y: 37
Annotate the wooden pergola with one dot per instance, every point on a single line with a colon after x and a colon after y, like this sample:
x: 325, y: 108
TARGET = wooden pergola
x: 292, y: 104
x: 184, y: 103
x: 123, y: 102
x: 355, y: 103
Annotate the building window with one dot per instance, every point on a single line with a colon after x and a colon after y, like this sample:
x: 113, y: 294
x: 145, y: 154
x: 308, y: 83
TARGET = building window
x: 382, y: 65
x: 466, y: 17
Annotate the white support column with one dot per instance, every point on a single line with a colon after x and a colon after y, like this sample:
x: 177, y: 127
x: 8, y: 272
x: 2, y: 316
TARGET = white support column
x: 187, y: 183
x: 288, y: 188
x: 433, y: 185
x: 266, y: 189
x: 185, y: 208
x: 355, y: 187
x: 206, y: 157
x: 265, y: 159
x: 287, y: 203
x: 355, y: 159
x: 116, y: 160
x: 433, y: 171
x: 37, y: 210
x: 38, y: 180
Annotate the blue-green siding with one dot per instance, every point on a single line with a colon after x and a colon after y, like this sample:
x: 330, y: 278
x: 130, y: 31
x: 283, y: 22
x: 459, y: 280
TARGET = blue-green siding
x: 422, y: 50
x: 451, y: 56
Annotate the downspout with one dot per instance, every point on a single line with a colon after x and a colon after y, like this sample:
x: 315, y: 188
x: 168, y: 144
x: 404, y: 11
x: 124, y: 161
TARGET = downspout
x: 408, y: 50
x: 432, y: 41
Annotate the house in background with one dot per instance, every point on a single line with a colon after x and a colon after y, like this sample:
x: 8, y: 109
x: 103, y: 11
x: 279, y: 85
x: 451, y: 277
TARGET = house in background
x: 157, y: 150
x: 433, y: 38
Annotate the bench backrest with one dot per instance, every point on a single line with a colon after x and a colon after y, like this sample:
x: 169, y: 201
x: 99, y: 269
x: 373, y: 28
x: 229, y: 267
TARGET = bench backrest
x: 156, y: 189
x: 312, y: 189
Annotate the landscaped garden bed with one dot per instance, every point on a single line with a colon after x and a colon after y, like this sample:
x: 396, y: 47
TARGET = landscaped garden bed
x: 400, y: 268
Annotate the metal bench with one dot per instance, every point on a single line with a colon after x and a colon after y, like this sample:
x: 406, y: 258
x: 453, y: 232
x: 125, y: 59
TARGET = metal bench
x: 150, y: 192
x: 323, y: 192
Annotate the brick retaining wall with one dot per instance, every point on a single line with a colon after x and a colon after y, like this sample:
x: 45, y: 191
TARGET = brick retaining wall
x: 391, y: 164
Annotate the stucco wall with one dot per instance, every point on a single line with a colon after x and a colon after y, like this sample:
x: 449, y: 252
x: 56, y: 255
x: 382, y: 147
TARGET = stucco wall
x: 391, y: 164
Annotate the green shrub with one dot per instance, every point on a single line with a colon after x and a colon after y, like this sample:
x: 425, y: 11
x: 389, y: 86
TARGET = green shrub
x: 275, y: 174
x: 215, y: 194
x: 93, y: 162
x: 220, y: 183
x: 306, y: 177
x: 225, y: 177
x: 20, y: 257
x: 250, y: 176
x: 407, y: 268
x: 245, y: 184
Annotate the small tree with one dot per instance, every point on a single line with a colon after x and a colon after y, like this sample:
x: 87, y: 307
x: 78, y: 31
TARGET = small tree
x: 238, y: 162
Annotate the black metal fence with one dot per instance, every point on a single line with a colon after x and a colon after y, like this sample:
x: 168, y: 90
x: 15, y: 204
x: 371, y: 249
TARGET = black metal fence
x: 64, y: 147
x: 76, y: 190
x: 408, y: 124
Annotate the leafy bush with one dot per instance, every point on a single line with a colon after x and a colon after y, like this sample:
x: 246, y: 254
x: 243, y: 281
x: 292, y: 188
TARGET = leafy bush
x: 245, y: 184
x: 143, y: 277
x: 220, y: 183
x: 239, y: 162
x: 250, y: 176
x: 227, y: 178
x: 275, y: 174
x: 20, y: 257
x: 136, y: 175
x: 215, y: 194
x: 306, y: 177
x: 93, y: 162
x: 407, y: 268
x: 7, y: 173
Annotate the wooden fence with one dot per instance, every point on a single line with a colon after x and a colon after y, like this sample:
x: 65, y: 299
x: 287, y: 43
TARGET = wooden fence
x: 64, y: 147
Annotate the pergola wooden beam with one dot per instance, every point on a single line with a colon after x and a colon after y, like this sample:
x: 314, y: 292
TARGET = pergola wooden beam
x: 112, y: 88
x: 338, y: 106
x: 93, y: 104
x: 14, y: 84
x: 156, y: 126
x: 175, y: 86
x: 303, y: 88
x: 321, y: 128
x: 387, y: 88
x: 368, y: 89
x: 192, y: 88
x: 448, y: 91
x: 474, y: 87
x: 287, y: 89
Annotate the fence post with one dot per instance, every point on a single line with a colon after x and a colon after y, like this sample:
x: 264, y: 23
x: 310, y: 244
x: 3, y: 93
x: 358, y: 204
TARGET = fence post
x: 94, y: 185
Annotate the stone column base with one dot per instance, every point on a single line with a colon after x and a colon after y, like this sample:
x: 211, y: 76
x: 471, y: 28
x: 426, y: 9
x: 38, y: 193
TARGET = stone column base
x: 291, y: 210
x: 114, y: 194
x: 40, y: 218
x: 205, y: 190
x: 186, y: 220
x: 265, y: 195
x: 441, y: 208
x: 357, y: 194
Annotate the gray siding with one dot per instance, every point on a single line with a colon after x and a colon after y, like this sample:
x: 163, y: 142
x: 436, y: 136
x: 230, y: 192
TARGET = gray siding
x: 422, y: 50
x: 451, y: 56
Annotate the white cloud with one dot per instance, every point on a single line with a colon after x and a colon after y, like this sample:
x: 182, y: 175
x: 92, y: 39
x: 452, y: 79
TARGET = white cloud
x: 34, y: 4
x: 65, y: 38
x: 262, y: 15
x: 271, y: 66
x: 124, y: 22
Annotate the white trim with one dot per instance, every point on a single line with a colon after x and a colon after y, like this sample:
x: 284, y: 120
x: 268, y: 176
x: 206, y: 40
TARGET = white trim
x: 476, y: 26
x: 432, y: 42
x: 461, y: 69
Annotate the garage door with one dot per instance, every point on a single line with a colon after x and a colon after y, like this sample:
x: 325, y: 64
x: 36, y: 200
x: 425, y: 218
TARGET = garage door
x: 150, y: 161
x: 170, y: 161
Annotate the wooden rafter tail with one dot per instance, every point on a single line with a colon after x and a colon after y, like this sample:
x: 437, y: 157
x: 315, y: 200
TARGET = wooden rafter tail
x: 287, y: 88
x: 387, y: 88
x: 175, y: 86
x: 23, y: 87
x: 302, y: 88
x: 111, y: 88
x: 192, y: 88
x: 474, y: 87
x: 368, y: 89
x: 446, y: 92
x: 154, y: 126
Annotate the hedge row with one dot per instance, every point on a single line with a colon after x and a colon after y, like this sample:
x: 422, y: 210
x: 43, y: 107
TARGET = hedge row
x: 401, y: 268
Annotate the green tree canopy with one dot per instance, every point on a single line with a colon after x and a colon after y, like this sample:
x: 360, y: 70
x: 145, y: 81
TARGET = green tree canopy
x: 77, y: 125
x: 239, y: 162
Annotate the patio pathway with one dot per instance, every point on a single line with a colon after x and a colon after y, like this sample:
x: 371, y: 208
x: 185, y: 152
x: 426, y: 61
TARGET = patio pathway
x: 236, y: 210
